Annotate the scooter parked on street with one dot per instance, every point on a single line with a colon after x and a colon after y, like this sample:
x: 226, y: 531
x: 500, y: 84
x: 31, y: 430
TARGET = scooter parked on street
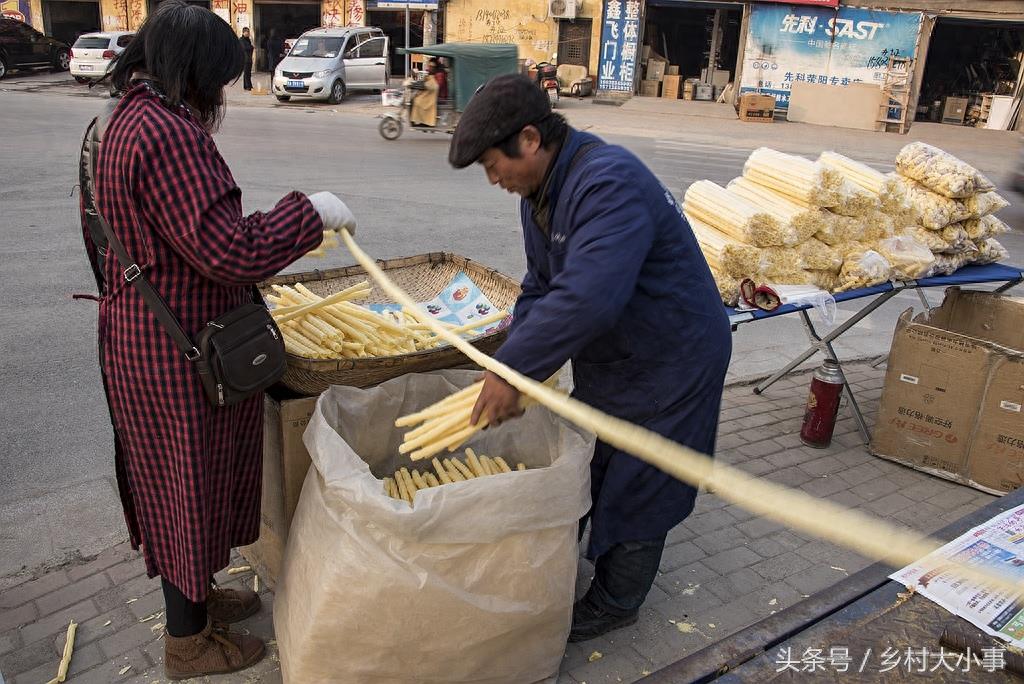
x: 547, y: 79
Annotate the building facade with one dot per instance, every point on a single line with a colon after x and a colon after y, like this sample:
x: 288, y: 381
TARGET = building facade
x: 566, y: 32
x: 969, y: 50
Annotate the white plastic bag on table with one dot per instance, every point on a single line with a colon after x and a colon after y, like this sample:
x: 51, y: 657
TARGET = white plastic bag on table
x: 862, y: 268
x: 822, y: 302
x: 909, y: 258
x: 473, y: 583
x: 940, y: 171
x: 990, y: 251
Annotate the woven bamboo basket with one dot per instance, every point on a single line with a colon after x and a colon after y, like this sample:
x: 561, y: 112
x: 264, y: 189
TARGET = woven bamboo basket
x: 423, y: 277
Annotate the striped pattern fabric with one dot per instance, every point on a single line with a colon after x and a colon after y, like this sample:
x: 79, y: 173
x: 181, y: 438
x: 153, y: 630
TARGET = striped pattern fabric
x: 189, y: 474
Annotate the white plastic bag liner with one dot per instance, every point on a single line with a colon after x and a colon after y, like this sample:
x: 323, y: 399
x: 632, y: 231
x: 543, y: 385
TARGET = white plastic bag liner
x: 822, y: 302
x: 474, y: 583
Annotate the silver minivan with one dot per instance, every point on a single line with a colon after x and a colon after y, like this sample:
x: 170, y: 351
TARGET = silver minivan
x: 326, y: 63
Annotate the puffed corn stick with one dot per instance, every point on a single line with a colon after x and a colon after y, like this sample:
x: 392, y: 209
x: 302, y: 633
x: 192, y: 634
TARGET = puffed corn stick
x: 520, y: 466
x: 441, y: 472
x: 474, y: 463
x: 430, y: 431
x: 462, y: 396
x: 404, y: 484
x: 466, y: 472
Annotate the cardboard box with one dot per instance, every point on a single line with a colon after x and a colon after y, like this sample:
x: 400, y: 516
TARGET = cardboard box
x: 703, y: 92
x: 954, y: 109
x: 655, y: 69
x: 996, y: 457
x: 285, y: 463
x: 689, y: 86
x: 954, y: 391
x: 650, y: 88
x: 754, y: 107
x: 672, y: 70
x: 670, y: 87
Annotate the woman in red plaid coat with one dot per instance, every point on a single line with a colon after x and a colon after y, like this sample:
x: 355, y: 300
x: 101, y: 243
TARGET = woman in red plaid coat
x: 189, y: 474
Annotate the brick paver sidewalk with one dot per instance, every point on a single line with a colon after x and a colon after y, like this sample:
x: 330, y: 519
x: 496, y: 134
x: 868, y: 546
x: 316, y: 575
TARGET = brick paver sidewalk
x: 722, y: 570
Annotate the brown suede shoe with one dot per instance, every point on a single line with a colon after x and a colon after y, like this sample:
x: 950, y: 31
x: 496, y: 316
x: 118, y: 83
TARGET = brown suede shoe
x: 227, y: 606
x: 213, y: 651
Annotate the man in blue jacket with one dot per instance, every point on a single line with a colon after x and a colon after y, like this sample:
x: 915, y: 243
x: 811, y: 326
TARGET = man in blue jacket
x: 617, y: 284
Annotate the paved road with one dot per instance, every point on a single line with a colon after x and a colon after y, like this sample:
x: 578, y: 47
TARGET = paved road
x: 58, y: 498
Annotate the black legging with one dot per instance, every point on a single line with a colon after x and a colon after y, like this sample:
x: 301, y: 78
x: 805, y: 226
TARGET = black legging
x: 184, y: 617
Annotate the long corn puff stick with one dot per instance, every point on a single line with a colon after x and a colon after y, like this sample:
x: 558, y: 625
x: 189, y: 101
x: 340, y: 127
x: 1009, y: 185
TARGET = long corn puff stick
x: 302, y: 309
x: 400, y: 486
x: 431, y: 480
x: 502, y: 465
x: 474, y: 463
x: 410, y: 486
x: 858, y: 531
x: 389, y: 486
x: 441, y: 472
x: 418, y: 479
x: 480, y: 323
x: 450, y: 442
x: 520, y: 466
x: 463, y: 403
x: 69, y: 648
x: 431, y: 427
x: 438, y: 434
x: 461, y: 397
x: 463, y: 469
x: 488, y: 466
x: 459, y: 438
x: 452, y: 471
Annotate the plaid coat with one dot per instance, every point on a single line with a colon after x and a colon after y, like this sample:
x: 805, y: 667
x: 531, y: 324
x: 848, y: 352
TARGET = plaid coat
x: 189, y: 474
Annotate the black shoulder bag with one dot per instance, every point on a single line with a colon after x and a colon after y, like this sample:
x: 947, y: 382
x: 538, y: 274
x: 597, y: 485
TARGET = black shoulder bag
x: 238, y: 354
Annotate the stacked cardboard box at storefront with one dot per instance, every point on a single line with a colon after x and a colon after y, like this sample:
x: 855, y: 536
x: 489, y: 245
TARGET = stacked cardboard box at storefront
x: 759, y: 108
x: 689, y: 88
x: 670, y: 87
x: 650, y: 88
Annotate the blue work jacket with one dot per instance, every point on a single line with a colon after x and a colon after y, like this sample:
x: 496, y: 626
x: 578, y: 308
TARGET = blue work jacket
x: 618, y: 285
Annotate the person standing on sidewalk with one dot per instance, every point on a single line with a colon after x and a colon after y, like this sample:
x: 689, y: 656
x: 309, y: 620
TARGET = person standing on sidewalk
x: 275, y: 51
x: 189, y: 474
x: 247, y: 50
x: 617, y: 284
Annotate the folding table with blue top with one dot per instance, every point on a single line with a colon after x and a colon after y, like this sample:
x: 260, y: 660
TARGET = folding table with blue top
x: 1009, y: 276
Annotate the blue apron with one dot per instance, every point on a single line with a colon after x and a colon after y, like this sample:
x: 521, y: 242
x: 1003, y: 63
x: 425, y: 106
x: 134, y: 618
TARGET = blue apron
x: 620, y: 287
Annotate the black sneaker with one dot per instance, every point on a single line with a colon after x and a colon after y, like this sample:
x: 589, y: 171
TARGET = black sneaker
x: 589, y: 621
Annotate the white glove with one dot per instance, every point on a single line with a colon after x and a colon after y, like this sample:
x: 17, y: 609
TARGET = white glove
x: 334, y: 214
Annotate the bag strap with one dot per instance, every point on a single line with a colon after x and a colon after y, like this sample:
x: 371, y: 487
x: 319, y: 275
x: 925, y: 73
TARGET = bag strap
x: 133, y: 274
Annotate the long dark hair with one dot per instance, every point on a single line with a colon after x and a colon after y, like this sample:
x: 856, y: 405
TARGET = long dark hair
x: 190, y: 52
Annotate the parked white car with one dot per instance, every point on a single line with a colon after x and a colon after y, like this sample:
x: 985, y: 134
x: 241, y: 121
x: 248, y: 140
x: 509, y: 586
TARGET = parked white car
x: 92, y: 54
x: 326, y: 63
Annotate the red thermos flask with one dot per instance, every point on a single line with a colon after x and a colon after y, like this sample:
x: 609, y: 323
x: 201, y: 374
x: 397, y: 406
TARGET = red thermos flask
x: 822, y: 405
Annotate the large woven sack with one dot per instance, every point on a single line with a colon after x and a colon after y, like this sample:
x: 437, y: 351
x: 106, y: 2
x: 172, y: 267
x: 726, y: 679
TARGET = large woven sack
x: 474, y: 583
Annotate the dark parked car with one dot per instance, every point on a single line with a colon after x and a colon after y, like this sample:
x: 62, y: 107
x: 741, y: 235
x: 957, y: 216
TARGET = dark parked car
x: 21, y: 46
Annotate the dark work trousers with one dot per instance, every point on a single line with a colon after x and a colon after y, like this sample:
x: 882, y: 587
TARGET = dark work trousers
x: 624, y: 574
x: 247, y: 74
x: 184, y: 617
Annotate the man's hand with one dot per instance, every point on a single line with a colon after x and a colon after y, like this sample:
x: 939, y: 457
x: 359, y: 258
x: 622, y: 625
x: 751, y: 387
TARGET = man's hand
x: 498, y: 401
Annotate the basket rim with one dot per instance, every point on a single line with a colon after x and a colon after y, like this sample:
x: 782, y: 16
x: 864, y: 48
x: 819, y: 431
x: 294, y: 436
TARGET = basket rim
x: 324, y: 365
x: 386, y: 265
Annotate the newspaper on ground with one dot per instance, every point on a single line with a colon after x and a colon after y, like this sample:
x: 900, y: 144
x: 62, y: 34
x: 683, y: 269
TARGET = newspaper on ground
x: 997, y: 544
